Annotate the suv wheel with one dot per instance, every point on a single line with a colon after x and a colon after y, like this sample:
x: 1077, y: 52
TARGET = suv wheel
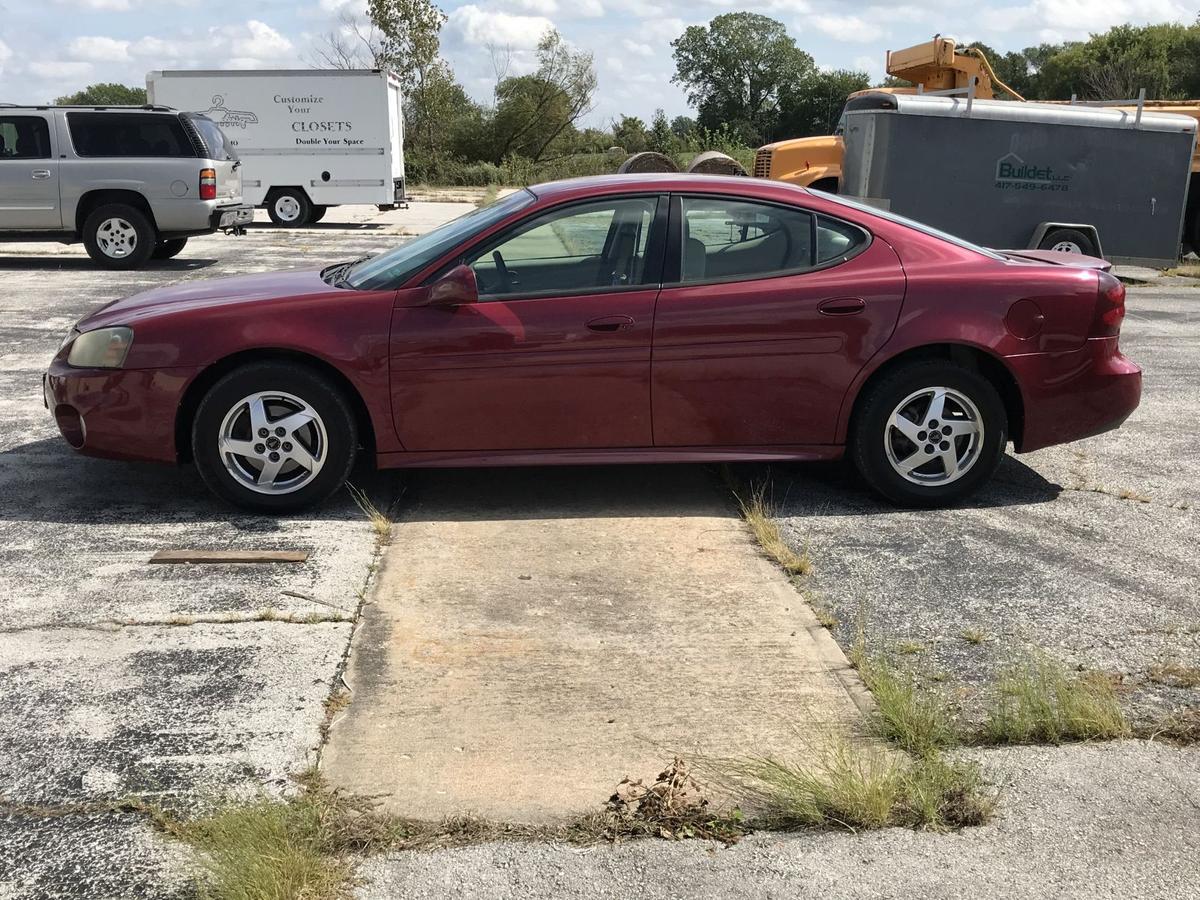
x: 929, y: 434
x: 289, y: 208
x: 274, y: 436
x: 118, y: 236
x: 169, y: 248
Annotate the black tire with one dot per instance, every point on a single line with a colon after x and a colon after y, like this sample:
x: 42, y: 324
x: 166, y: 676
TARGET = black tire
x: 296, y: 381
x: 100, y: 230
x: 318, y: 213
x: 282, y: 203
x: 1083, y: 241
x: 169, y: 248
x: 870, y: 428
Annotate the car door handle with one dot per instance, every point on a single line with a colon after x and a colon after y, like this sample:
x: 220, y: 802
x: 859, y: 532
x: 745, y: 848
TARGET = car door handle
x: 41, y: 173
x: 842, y: 306
x: 611, y: 323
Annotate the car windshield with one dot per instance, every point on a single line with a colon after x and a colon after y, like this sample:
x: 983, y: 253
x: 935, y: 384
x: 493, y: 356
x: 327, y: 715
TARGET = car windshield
x: 916, y: 226
x: 219, y: 146
x: 392, y: 269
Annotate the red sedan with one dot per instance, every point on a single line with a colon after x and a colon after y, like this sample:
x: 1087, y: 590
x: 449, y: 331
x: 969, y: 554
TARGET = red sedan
x: 618, y: 319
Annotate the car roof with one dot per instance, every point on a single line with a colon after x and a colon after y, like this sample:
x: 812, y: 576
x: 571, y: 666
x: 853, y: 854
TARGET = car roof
x: 149, y: 108
x: 665, y: 182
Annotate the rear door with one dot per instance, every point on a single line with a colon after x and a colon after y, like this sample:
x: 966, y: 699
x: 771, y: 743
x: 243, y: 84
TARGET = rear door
x: 773, y: 311
x: 219, y: 149
x: 556, y: 353
x: 29, y: 173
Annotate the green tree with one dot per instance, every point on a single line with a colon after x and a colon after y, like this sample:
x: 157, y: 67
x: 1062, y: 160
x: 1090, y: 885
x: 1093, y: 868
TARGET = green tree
x: 661, y: 139
x: 535, y: 112
x: 630, y: 134
x: 683, y: 126
x: 814, y: 105
x: 409, y: 39
x: 105, y: 94
x: 735, y: 68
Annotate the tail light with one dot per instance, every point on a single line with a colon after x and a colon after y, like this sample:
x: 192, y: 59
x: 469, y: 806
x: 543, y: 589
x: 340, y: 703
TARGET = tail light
x: 208, y: 184
x: 1110, y: 307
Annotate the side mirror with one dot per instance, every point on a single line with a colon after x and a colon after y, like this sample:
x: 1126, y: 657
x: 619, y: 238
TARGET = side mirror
x: 456, y: 288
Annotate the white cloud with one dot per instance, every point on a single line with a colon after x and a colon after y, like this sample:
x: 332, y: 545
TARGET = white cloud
x: 637, y: 49
x: 1079, y: 18
x: 104, y: 5
x: 5, y: 54
x: 60, y: 68
x: 854, y: 29
x: 98, y: 49
x: 538, y: 7
x: 479, y: 27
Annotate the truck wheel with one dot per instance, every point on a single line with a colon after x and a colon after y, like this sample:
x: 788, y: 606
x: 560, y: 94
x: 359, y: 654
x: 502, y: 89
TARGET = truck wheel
x: 118, y: 236
x: 1068, y: 240
x: 318, y: 213
x: 928, y: 434
x: 168, y: 248
x: 289, y: 208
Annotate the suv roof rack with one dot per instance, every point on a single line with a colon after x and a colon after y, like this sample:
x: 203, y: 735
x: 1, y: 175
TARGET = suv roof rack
x: 148, y: 107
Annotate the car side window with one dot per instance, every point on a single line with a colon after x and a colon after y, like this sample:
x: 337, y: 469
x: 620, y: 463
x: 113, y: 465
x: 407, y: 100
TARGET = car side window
x: 588, y: 246
x: 24, y: 137
x: 128, y: 134
x: 837, y: 240
x: 728, y: 238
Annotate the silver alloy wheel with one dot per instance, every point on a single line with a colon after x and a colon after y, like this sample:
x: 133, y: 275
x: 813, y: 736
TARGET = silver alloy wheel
x: 1067, y: 247
x: 272, y: 442
x: 287, y: 207
x: 116, y: 238
x: 934, y: 436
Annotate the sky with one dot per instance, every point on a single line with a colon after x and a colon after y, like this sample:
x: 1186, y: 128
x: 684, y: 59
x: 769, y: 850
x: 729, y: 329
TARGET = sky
x: 52, y: 47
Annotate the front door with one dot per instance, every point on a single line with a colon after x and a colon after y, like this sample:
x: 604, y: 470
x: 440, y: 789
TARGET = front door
x: 774, y: 311
x: 28, y: 174
x: 556, y: 353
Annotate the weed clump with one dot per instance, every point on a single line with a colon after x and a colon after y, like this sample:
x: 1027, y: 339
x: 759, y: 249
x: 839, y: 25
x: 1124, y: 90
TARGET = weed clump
x: 1038, y: 701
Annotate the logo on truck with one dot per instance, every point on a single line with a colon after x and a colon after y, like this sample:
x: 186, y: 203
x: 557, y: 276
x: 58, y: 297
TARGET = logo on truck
x: 229, y: 118
x: 1014, y: 173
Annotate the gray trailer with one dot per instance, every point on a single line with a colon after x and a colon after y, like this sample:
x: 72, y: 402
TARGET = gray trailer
x: 1005, y: 174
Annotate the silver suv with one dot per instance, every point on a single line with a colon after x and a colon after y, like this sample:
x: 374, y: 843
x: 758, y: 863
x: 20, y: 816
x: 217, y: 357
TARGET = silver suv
x: 131, y: 182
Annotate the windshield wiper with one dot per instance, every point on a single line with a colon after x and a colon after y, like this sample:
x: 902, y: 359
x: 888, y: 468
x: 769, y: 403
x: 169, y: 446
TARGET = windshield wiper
x: 337, y: 274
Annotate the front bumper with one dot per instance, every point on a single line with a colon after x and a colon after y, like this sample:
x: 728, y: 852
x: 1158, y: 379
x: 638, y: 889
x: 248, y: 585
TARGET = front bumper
x: 117, y: 413
x: 1071, y: 396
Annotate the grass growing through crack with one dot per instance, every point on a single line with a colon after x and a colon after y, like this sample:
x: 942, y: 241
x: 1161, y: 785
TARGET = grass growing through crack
x: 381, y: 523
x: 865, y: 788
x: 1038, y: 701
x: 917, y: 721
x: 759, y: 513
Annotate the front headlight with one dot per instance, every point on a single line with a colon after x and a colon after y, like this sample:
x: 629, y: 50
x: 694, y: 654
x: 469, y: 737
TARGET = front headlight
x: 104, y: 348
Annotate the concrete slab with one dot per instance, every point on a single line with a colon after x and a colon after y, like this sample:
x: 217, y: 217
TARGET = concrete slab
x: 537, y: 635
x: 1115, y: 821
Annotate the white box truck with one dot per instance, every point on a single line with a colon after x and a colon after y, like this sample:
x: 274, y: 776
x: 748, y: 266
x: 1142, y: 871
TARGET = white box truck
x: 308, y: 139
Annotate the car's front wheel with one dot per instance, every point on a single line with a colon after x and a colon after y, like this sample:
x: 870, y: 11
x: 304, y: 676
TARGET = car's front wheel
x: 929, y: 433
x: 274, y: 436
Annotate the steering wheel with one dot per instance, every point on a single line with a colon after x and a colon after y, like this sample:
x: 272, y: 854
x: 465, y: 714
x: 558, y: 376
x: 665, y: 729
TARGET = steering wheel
x: 507, y: 276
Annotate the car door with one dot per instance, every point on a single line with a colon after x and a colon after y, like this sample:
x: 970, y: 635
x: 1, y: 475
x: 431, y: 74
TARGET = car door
x: 556, y: 353
x: 773, y: 311
x: 29, y: 188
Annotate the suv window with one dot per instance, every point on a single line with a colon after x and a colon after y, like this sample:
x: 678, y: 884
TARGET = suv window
x: 24, y: 137
x: 596, y: 245
x: 100, y: 134
x: 219, y: 146
x: 727, y: 238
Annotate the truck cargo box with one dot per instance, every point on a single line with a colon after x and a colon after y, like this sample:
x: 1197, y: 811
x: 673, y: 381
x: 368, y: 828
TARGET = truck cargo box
x: 1015, y: 175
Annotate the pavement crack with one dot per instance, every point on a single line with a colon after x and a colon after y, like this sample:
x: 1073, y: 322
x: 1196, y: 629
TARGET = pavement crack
x: 185, y: 621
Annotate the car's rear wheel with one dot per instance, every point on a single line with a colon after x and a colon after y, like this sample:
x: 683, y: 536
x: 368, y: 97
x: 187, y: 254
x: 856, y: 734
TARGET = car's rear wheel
x: 929, y: 433
x: 274, y: 436
x: 289, y: 208
x: 169, y: 248
x: 118, y: 236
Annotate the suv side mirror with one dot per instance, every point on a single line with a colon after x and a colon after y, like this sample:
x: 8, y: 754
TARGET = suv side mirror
x: 457, y: 287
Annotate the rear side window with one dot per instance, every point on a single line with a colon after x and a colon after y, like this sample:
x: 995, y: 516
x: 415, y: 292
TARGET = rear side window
x: 837, y: 240
x: 728, y: 238
x: 24, y: 137
x: 219, y: 147
x: 128, y: 134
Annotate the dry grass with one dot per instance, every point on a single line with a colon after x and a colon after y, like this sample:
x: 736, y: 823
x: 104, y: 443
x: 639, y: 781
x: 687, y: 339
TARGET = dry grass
x: 381, y: 523
x: 1131, y: 494
x: 1175, y: 674
x: 866, y: 788
x: 917, y: 721
x: 1181, y: 727
x: 759, y: 513
x: 910, y: 648
x: 1039, y: 702
x: 973, y: 635
x: 489, y: 195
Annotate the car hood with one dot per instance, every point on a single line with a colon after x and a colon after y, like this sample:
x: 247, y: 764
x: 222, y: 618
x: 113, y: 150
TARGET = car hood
x: 207, y: 293
x: 1058, y: 258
